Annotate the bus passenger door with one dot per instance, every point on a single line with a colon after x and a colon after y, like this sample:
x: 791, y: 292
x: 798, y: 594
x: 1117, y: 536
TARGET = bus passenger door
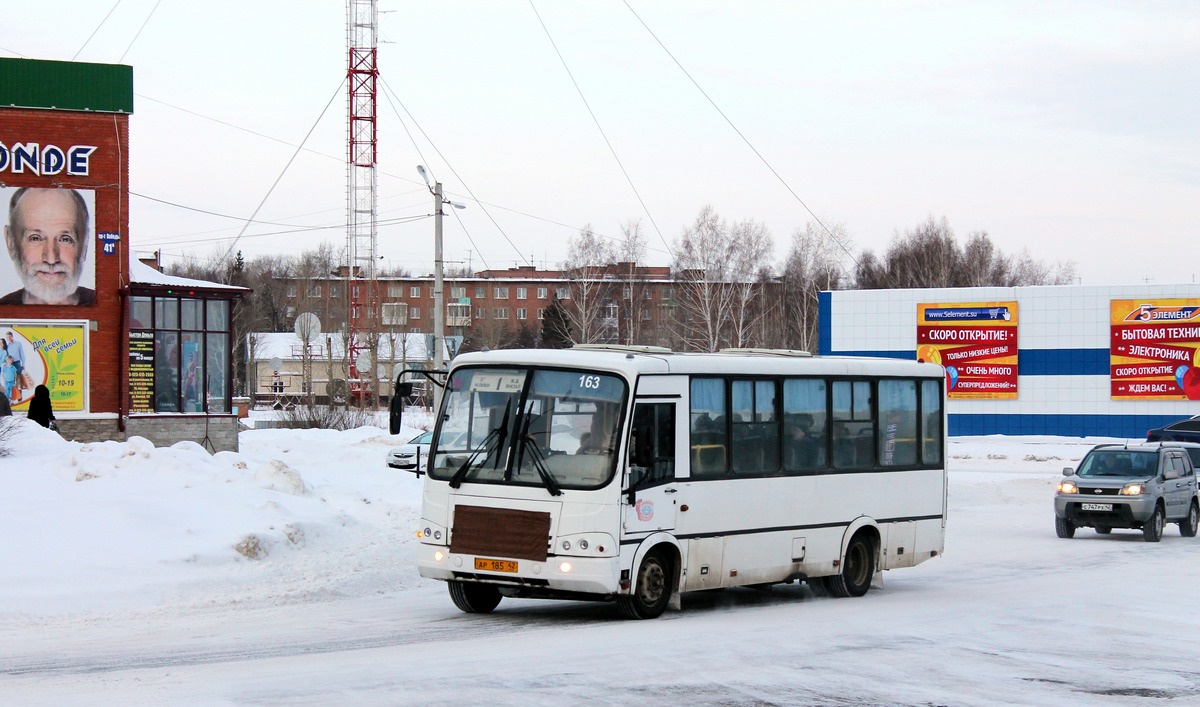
x: 649, y: 492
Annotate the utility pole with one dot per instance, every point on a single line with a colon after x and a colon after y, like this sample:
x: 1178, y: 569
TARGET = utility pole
x: 439, y: 306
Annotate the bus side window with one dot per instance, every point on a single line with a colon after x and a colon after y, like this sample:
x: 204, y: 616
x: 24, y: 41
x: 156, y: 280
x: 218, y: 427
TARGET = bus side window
x: 652, y: 448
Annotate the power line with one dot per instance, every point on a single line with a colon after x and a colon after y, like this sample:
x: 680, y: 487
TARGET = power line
x: 93, y: 34
x: 739, y: 132
x: 285, y: 168
x: 387, y: 90
x: 595, y: 120
x: 139, y: 32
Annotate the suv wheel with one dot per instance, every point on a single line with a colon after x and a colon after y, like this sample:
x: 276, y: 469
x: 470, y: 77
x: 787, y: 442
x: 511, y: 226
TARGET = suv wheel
x: 1152, y: 530
x: 1064, y: 527
x: 1188, y: 526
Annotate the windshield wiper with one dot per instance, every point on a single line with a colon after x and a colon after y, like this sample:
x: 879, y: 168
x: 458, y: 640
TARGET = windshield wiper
x: 539, y: 459
x: 496, y: 435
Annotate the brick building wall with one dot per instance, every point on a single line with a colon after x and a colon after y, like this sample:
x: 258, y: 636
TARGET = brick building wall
x: 107, y: 178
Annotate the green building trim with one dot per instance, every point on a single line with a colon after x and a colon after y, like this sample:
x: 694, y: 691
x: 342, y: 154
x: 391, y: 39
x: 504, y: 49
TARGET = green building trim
x: 66, y: 85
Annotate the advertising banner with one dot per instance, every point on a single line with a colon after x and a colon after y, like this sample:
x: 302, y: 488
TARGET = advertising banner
x: 1154, y: 349
x: 50, y: 353
x: 141, y: 371
x: 48, y: 246
x: 976, y: 342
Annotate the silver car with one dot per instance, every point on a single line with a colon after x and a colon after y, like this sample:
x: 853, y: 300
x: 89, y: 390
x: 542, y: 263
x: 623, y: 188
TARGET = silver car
x: 1140, y: 486
x: 411, y: 456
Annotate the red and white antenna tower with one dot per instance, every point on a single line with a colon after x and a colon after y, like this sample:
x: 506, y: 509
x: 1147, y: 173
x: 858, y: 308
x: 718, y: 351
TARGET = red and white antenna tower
x: 362, y: 285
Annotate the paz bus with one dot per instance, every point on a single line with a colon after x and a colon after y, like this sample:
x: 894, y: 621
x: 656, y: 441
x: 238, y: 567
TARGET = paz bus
x: 634, y: 474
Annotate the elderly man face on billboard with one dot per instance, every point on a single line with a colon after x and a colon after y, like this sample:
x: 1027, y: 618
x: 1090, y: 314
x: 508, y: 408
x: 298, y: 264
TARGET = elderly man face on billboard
x: 47, y: 238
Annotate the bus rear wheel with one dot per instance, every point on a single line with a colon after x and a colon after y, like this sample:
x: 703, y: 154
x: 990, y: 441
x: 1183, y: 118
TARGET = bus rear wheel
x: 858, y: 568
x: 474, y: 598
x: 651, y: 588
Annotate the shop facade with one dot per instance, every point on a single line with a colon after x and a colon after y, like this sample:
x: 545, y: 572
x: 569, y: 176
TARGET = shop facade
x: 72, y: 299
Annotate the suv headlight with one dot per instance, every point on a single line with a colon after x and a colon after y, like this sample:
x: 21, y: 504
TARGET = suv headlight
x: 1133, y: 490
x: 1067, y: 487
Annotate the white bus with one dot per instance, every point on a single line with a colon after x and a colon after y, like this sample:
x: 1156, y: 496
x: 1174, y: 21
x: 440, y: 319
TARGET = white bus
x: 632, y: 474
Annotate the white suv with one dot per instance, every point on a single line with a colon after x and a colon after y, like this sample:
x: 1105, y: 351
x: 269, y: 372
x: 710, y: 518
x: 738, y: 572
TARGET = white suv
x: 1139, y: 486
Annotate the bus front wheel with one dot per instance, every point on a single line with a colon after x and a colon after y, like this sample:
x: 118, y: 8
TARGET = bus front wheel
x: 858, y: 568
x: 474, y: 598
x: 651, y: 589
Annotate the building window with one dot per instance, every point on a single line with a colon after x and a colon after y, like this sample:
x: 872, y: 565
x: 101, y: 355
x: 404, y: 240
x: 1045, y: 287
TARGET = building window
x: 610, y: 310
x: 500, y: 313
x: 395, y: 292
x: 414, y: 292
x: 668, y: 293
x: 541, y: 312
x: 480, y: 312
x: 314, y: 290
x: 181, y: 354
x: 335, y: 291
x: 395, y: 313
x: 480, y: 292
x: 627, y: 293
x: 541, y: 292
x: 355, y: 292
x: 414, y: 312
x: 563, y: 292
x: 291, y: 290
x: 458, y: 292
x: 522, y: 292
x: 521, y: 313
x: 501, y: 293
x: 645, y: 314
x: 648, y: 293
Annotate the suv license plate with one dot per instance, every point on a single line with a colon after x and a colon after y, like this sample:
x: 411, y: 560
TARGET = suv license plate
x: 1085, y: 506
x: 495, y: 565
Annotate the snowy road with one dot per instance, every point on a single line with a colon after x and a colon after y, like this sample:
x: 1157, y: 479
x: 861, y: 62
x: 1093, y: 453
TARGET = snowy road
x: 1011, y: 615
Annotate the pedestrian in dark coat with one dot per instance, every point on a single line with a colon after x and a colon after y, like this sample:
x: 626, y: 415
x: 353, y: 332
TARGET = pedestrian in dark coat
x: 40, y: 409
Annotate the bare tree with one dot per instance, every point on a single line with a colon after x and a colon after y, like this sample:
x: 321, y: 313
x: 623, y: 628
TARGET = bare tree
x: 929, y: 256
x: 815, y: 262
x: 631, y: 253
x: 718, y: 271
x: 589, y: 307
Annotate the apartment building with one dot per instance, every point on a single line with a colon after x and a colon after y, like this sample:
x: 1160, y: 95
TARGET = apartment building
x: 615, y: 303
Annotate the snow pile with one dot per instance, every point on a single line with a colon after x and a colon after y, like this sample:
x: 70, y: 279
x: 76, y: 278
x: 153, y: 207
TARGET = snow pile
x: 112, y: 524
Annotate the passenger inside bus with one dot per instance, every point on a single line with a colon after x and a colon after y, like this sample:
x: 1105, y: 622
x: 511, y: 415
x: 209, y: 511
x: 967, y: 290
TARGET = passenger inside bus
x: 801, y: 450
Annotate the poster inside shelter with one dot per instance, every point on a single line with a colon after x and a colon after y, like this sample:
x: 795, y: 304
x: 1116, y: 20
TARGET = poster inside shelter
x: 1154, y: 349
x: 977, y: 344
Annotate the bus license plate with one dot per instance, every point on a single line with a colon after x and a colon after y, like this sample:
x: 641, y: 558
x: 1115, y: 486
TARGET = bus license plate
x: 495, y: 565
x: 1086, y: 507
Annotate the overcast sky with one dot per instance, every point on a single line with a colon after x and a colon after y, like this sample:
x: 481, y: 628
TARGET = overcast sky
x: 1068, y: 129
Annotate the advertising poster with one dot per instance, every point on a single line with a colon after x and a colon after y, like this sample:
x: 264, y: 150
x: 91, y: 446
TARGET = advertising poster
x: 141, y: 371
x: 53, y: 354
x: 1154, y: 349
x: 976, y: 342
x: 48, y: 257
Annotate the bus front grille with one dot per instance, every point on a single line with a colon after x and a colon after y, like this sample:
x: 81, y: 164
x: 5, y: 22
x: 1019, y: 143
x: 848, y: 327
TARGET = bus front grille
x: 500, y: 532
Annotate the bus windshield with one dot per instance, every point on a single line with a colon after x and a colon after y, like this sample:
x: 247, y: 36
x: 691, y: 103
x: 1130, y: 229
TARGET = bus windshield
x: 529, y: 427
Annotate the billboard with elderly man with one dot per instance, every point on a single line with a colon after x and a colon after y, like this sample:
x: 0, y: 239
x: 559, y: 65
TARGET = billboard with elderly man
x: 48, y: 239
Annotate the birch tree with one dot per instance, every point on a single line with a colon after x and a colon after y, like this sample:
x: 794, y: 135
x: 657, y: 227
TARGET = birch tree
x: 716, y: 269
x: 590, y: 288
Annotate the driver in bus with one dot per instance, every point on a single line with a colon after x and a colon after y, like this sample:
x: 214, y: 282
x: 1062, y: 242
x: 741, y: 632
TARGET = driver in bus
x: 598, y: 440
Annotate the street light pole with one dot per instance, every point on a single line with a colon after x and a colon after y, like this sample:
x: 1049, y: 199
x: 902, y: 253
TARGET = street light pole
x: 439, y: 307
